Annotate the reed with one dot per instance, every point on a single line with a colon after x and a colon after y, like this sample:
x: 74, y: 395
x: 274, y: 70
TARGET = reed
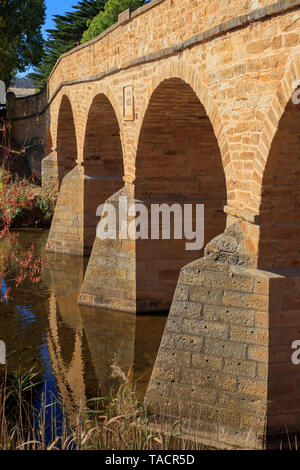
x: 117, y: 422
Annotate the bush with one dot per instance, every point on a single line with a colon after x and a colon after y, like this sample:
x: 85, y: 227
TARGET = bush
x: 108, y: 17
x: 23, y: 204
x: 16, y: 197
x: 46, y: 202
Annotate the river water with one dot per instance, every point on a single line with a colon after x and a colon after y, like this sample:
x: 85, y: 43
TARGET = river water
x: 73, y: 347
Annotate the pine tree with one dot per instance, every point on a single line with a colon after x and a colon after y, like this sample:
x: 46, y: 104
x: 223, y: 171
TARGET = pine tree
x: 21, y: 41
x: 66, y: 35
x: 109, y: 16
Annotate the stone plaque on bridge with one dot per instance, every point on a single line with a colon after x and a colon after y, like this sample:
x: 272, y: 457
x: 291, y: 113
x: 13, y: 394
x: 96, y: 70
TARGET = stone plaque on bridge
x: 128, y: 103
x: 2, y: 93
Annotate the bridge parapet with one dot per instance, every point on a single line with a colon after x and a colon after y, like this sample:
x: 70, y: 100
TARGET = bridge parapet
x: 120, y: 46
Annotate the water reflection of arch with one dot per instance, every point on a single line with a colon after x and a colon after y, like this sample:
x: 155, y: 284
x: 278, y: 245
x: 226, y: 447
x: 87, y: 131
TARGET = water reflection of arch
x: 148, y: 335
x: 110, y: 337
x: 131, y: 341
x: 65, y: 334
x: 68, y: 374
x: 84, y: 342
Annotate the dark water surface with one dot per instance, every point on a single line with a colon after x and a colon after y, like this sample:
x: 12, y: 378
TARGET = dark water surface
x: 73, y: 347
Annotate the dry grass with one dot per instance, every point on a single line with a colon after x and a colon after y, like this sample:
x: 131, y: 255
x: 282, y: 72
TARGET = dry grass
x: 118, y: 422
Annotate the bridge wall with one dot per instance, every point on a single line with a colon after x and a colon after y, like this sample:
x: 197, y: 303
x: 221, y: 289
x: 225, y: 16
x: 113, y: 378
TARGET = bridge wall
x: 222, y: 68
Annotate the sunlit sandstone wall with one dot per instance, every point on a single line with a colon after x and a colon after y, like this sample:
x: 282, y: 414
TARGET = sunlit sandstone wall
x: 235, y: 75
x: 243, y: 79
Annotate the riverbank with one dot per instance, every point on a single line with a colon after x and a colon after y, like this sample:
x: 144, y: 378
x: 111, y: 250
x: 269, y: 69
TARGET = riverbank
x: 72, y: 347
x: 24, y: 203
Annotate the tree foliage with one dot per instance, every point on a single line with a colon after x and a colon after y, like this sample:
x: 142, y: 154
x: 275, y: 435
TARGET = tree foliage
x: 21, y: 41
x: 66, y: 35
x: 109, y: 16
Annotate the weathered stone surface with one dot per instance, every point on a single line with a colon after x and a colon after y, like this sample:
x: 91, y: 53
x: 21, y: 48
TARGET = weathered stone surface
x: 230, y: 248
x: 108, y: 281
x: 242, y: 374
x: 66, y: 234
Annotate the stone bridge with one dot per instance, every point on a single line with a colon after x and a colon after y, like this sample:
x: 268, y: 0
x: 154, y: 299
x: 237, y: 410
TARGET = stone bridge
x: 191, y: 100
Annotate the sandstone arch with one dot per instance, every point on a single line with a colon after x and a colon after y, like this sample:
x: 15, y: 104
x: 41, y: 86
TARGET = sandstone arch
x: 102, y: 161
x: 178, y: 161
x: 279, y: 245
x: 270, y: 126
x: 183, y: 70
x: 66, y: 144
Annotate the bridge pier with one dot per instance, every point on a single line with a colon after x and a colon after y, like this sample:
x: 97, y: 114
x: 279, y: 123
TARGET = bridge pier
x: 97, y: 190
x: 110, y: 277
x: 50, y: 177
x: 66, y: 234
x: 137, y: 275
x: 224, y: 370
x: 74, y: 224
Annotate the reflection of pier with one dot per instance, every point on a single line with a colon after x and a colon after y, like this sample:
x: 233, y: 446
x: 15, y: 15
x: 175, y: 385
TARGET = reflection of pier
x: 110, y: 337
x: 84, y: 342
x: 68, y: 373
x: 64, y: 337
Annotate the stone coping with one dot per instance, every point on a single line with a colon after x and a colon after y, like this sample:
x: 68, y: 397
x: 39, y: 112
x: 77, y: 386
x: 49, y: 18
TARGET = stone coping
x: 243, y: 21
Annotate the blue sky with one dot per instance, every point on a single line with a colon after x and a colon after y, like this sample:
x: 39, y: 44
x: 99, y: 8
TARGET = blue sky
x: 55, y: 7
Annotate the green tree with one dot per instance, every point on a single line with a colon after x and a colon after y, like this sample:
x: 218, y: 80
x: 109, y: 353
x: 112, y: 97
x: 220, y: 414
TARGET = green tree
x: 109, y: 16
x: 66, y: 35
x: 21, y: 41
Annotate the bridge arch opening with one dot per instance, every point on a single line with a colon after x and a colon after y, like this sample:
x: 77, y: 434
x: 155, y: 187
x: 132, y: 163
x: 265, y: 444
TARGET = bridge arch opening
x: 103, y: 162
x: 178, y: 162
x: 279, y: 255
x: 66, y: 140
x: 279, y: 245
